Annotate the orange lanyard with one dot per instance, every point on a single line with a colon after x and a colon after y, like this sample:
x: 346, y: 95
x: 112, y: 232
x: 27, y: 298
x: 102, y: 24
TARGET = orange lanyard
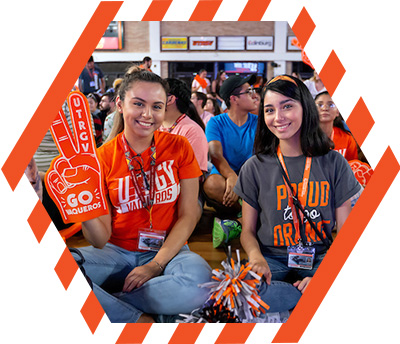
x: 303, y: 194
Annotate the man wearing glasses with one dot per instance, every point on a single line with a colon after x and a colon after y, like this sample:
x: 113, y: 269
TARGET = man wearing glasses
x: 230, y: 139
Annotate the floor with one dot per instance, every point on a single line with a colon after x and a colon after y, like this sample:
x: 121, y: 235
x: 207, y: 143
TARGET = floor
x: 200, y: 241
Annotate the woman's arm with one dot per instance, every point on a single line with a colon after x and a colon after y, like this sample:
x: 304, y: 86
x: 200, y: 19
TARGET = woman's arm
x: 179, y: 234
x: 97, y: 231
x: 342, y: 213
x: 250, y: 244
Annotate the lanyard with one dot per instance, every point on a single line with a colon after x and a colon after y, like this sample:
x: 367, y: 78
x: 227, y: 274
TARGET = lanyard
x: 302, y: 198
x: 150, y: 186
x: 91, y: 73
x: 172, y: 127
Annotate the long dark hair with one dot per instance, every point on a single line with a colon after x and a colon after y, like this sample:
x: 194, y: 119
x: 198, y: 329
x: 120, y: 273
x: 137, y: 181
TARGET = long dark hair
x: 312, y: 139
x: 338, y: 121
x: 181, y: 91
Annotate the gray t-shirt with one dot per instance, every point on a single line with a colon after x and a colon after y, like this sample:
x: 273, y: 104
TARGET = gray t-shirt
x: 261, y: 185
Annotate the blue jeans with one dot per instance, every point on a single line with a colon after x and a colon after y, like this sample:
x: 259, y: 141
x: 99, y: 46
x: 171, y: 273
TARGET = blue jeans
x: 175, y: 291
x: 281, y: 272
x: 281, y: 295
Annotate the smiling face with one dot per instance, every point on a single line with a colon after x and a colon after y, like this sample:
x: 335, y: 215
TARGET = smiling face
x: 143, y: 109
x: 283, y: 117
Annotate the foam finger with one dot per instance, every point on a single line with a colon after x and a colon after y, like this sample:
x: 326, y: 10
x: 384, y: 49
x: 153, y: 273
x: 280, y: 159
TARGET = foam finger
x: 81, y: 122
x: 62, y: 135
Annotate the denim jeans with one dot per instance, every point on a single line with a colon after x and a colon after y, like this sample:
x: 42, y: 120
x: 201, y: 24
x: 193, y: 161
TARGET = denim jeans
x: 175, y: 291
x: 281, y: 295
x: 281, y: 272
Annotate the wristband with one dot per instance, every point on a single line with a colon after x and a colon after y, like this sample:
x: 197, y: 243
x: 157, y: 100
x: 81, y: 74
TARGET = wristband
x: 159, y: 265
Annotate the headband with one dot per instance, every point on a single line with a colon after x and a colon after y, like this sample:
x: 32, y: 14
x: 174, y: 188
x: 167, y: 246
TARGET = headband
x: 282, y: 77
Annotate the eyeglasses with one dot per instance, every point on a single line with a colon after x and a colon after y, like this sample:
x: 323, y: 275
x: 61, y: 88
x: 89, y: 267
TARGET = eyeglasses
x: 330, y: 105
x: 249, y: 91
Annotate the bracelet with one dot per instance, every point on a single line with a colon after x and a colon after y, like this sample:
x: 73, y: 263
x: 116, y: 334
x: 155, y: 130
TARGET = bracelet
x: 162, y: 269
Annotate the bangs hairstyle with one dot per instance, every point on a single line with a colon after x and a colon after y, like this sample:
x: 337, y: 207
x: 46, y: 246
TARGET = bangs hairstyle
x: 134, y: 74
x: 313, y: 140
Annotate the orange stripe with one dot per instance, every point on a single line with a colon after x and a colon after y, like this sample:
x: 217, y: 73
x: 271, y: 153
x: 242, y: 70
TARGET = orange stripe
x: 254, y: 10
x: 186, y: 333
x: 157, y: 10
x: 205, y: 10
x: 383, y: 176
x: 92, y: 312
x: 33, y: 134
x: 332, y: 72
x: 66, y: 268
x: 303, y: 27
x: 133, y: 334
x: 234, y: 333
x: 39, y: 221
x: 360, y: 122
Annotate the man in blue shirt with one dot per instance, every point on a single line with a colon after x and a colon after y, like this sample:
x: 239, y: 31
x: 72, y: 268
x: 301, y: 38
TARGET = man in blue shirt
x: 230, y: 138
x: 91, y: 79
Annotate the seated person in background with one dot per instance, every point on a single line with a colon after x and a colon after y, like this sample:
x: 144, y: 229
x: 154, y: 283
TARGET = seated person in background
x: 93, y: 100
x: 331, y: 122
x: 199, y: 100
x: 230, y: 139
x: 151, y: 183
x: 107, y: 106
x: 177, y: 121
x: 212, y: 107
x: 32, y: 174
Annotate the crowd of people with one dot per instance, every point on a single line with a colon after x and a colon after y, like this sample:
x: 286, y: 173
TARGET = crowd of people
x: 272, y: 161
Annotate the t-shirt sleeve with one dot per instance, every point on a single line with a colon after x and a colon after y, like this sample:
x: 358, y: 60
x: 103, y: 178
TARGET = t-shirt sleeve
x: 247, y: 186
x: 346, y: 184
x: 212, y: 130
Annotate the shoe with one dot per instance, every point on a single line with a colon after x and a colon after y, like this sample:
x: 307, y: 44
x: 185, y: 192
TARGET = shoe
x: 224, y: 231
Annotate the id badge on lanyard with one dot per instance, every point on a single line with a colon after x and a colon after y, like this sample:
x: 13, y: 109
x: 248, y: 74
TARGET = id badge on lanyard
x: 300, y: 256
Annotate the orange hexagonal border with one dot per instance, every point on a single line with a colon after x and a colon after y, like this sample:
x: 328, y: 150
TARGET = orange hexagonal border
x: 331, y: 74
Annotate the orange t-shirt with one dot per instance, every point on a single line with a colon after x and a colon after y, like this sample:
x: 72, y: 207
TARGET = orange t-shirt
x: 175, y: 160
x: 345, y: 144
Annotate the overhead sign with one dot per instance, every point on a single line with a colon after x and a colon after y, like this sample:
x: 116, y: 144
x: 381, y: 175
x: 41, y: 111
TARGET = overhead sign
x: 202, y: 43
x: 260, y: 43
x: 231, y: 43
x: 174, y: 43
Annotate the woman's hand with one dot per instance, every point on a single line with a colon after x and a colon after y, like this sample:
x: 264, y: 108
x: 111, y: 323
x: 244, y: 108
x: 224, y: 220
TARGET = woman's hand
x: 260, y: 265
x: 302, y: 285
x: 140, y: 275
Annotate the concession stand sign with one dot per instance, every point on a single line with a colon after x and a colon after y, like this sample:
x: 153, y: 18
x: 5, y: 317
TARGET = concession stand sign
x: 202, y: 43
x: 174, y: 43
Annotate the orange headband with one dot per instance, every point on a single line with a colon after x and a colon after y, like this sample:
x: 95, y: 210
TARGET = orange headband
x: 282, y: 77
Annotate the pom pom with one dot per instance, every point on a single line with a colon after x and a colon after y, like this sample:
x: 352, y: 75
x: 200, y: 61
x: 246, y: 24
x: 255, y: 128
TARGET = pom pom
x: 233, y: 294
